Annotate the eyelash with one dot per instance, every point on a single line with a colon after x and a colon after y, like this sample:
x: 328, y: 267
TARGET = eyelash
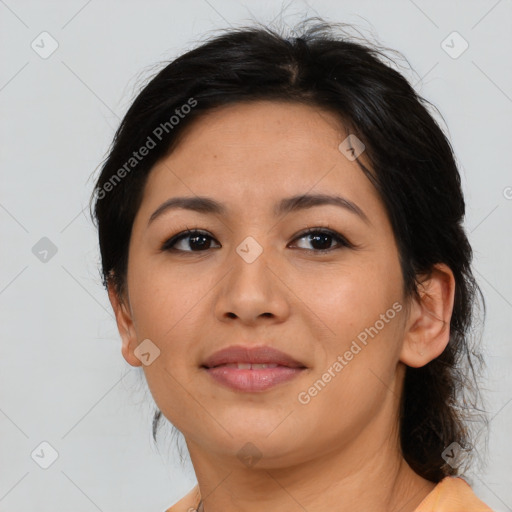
x: 167, y: 246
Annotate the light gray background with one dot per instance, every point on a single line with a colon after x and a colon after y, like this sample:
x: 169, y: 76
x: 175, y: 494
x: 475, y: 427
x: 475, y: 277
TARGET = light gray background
x: 62, y: 377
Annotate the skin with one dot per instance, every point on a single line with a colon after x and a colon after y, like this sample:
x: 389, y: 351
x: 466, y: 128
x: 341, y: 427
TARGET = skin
x: 340, y: 451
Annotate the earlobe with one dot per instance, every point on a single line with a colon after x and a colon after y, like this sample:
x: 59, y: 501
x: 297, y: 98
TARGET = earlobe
x: 427, y: 331
x: 125, y: 326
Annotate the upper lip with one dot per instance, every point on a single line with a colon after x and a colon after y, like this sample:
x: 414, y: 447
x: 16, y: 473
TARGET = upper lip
x: 257, y: 355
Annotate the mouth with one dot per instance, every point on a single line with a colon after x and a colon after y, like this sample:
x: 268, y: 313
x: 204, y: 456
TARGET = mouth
x: 242, y: 354
x: 252, y: 369
x: 247, y: 366
x: 256, y: 378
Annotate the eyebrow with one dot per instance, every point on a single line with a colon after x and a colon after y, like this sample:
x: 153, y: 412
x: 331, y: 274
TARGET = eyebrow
x: 207, y: 205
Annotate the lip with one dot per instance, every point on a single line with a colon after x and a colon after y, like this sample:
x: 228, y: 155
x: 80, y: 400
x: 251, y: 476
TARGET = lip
x: 254, y: 379
x: 256, y: 355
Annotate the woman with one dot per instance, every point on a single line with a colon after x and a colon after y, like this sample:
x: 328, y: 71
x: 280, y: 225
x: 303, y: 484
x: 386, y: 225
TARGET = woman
x: 280, y: 226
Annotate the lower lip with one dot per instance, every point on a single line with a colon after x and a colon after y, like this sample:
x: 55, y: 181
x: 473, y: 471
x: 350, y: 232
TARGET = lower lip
x: 253, y: 380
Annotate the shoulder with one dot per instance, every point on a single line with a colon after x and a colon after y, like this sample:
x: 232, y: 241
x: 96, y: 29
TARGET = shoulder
x: 452, y: 494
x: 188, y: 503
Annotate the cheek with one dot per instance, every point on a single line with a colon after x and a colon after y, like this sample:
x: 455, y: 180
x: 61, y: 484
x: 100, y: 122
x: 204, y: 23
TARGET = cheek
x: 164, y: 296
x: 364, y: 313
x: 356, y: 377
x: 352, y: 298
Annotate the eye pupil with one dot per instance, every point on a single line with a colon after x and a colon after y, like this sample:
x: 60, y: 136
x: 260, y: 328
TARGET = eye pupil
x: 322, y: 237
x: 200, y: 245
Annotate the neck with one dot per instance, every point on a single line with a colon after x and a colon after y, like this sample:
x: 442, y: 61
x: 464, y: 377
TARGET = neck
x: 358, y: 477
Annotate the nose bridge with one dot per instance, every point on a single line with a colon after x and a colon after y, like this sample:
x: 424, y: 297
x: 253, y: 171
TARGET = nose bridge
x: 251, y: 288
x: 250, y: 265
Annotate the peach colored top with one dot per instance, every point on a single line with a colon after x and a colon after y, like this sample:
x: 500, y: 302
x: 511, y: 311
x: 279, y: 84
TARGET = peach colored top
x: 452, y: 494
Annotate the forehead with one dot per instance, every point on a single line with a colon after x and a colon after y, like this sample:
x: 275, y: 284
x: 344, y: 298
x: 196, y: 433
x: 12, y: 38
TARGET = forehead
x: 256, y: 124
x: 260, y: 152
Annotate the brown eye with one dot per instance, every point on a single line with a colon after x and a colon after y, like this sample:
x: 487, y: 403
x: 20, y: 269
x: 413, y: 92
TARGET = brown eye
x: 197, y: 241
x: 321, y: 240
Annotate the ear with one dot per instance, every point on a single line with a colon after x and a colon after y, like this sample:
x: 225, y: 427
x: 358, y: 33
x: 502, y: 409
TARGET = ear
x: 125, y: 325
x: 427, y: 331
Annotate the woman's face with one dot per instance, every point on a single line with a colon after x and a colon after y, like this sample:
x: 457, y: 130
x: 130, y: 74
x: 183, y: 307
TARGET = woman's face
x: 252, y: 278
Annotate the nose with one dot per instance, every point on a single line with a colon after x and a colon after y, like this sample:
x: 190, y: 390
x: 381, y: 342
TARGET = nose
x: 252, y: 290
